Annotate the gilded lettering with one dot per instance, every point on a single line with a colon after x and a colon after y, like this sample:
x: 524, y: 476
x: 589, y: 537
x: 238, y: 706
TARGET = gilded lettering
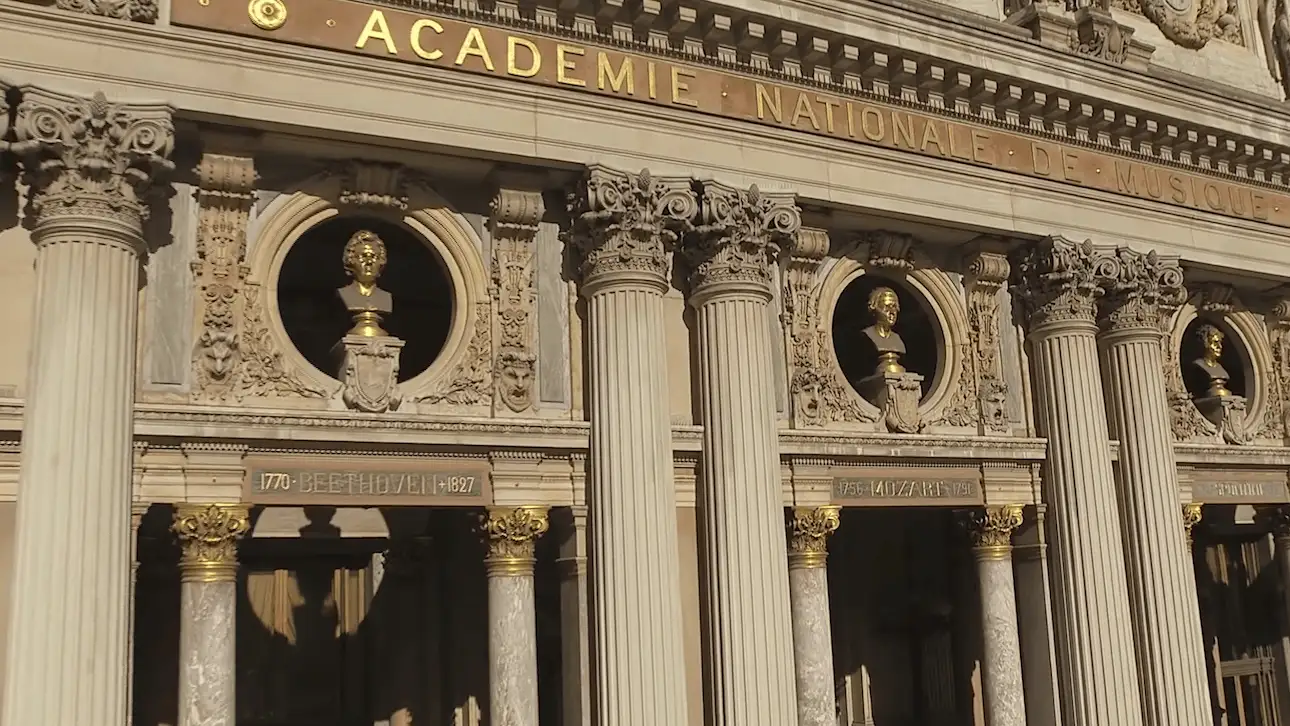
x: 829, y: 104
x: 415, y: 39
x: 1259, y: 206
x: 1213, y: 198
x: 872, y: 124
x: 605, y: 76
x: 564, y: 64
x: 803, y: 109
x: 652, y: 76
x: 680, y: 88
x: 1070, y: 172
x: 474, y: 45
x: 379, y: 29
x: 766, y: 101
x: 1177, y: 188
x: 981, y: 152
x: 1126, y: 178
x: 931, y: 137
x: 512, y: 63
x: 902, y: 129
x: 1043, y: 163
x: 1155, y: 189
x: 851, y: 120
x: 1238, y: 202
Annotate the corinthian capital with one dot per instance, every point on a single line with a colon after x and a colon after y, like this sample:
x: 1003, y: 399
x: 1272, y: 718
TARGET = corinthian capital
x: 1060, y: 280
x: 142, y: 11
x: 991, y: 529
x: 627, y: 224
x: 1141, y: 291
x: 85, y: 157
x: 209, y: 534
x: 740, y: 236
x: 512, y: 534
x: 808, y: 534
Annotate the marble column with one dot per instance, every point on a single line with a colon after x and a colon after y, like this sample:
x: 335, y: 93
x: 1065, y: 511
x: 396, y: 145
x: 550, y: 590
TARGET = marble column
x: 1058, y: 283
x: 1140, y: 289
x: 1277, y: 519
x: 208, y: 534
x: 808, y: 587
x: 575, y: 618
x: 741, y: 500
x: 991, y: 531
x: 625, y: 226
x: 137, y: 512
x: 512, y: 534
x: 89, y: 164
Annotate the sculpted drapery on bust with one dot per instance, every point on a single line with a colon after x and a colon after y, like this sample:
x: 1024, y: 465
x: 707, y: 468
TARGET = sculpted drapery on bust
x: 364, y: 259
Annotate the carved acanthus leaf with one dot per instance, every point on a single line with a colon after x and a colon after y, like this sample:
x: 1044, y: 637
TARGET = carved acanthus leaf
x: 1060, y: 280
x: 262, y: 371
x: 374, y: 185
x: 992, y: 527
x: 629, y: 223
x: 514, y: 223
x: 740, y: 236
x: 987, y: 272
x: 1141, y: 291
x: 472, y: 380
x: 887, y: 251
x: 88, y: 157
x: 512, y: 532
x: 208, y: 534
x: 808, y: 534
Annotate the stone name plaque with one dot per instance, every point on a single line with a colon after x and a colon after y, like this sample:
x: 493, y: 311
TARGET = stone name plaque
x: 1233, y: 490
x: 439, y: 486
x: 874, y: 491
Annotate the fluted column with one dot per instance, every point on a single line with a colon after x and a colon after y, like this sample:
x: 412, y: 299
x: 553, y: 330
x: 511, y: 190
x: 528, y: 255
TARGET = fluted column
x: 741, y: 501
x: 512, y: 534
x: 1059, y: 282
x: 89, y: 163
x: 808, y: 586
x: 208, y: 534
x: 625, y: 226
x: 1162, y: 581
x: 991, y: 532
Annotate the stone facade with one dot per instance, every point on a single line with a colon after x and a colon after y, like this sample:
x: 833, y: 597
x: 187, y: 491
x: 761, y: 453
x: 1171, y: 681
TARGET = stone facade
x: 618, y: 366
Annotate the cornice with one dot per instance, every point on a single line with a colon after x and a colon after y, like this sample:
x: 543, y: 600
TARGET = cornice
x: 1215, y: 456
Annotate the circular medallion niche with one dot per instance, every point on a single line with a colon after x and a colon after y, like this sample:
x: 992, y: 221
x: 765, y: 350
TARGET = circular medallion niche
x: 315, y: 317
x: 1212, y: 359
x: 879, y: 322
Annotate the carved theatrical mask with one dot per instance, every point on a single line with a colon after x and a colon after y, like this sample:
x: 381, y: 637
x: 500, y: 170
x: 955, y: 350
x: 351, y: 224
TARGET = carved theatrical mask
x: 515, y: 379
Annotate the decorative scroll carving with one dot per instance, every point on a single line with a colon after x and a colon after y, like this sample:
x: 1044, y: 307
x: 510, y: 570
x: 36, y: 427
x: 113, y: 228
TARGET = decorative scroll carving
x: 208, y: 534
x: 367, y: 184
x: 991, y: 528
x: 472, y: 381
x: 1058, y: 280
x: 224, y: 199
x: 371, y: 373
x: 1097, y: 35
x: 514, y: 220
x: 90, y: 158
x: 1276, y: 420
x: 1190, y: 23
x: 808, y: 534
x: 887, y: 251
x: 629, y: 223
x: 512, y: 535
x: 818, y: 395
x: 141, y: 11
x: 741, y: 236
x: 1141, y: 290
x: 263, y: 372
x: 986, y: 274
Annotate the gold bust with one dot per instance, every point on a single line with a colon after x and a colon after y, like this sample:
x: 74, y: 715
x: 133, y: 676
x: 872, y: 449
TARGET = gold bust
x: 364, y: 259
x: 1211, y: 339
x: 885, y: 307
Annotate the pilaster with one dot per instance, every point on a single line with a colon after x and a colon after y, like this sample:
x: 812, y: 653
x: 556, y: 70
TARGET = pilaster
x: 991, y: 532
x: 89, y: 164
x: 1140, y: 288
x: 208, y: 535
x: 1058, y: 282
x: 808, y: 585
x: 575, y: 618
x: 511, y: 535
x: 987, y: 273
x: 514, y: 218
x: 625, y: 226
x: 746, y: 606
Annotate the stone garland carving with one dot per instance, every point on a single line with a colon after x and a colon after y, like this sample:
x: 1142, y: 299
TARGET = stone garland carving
x: 514, y: 220
x: 629, y: 223
x: 740, y: 236
x: 225, y: 195
x: 1190, y: 23
x: 262, y: 371
x: 818, y: 396
x: 87, y: 157
x: 472, y: 381
x: 142, y: 11
x: 808, y: 533
x: 987, y: 273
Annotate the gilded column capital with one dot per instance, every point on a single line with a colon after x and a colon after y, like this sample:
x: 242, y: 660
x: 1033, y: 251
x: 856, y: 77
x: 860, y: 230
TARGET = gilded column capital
x: 512, y: 534
x: 1059, y: 281
x: 991, y: 529
x: 808, y: 533
x: 625, y: 225
x: 140, y: 11
x: 1191, y: 516
x: 1142, y: 290
x: 208, y: 535
x: 88, y: 159
x: 739, y: 239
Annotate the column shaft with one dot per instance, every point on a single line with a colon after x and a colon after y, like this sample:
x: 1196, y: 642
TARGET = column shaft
x: 512, y: 622
x: 575, y: 620
x: 1162, y: 581
x: 1005, y: 695
x: 808, y: 586
x: 208, y: 612
x: 625, y: 228
x: 1057, y: 279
